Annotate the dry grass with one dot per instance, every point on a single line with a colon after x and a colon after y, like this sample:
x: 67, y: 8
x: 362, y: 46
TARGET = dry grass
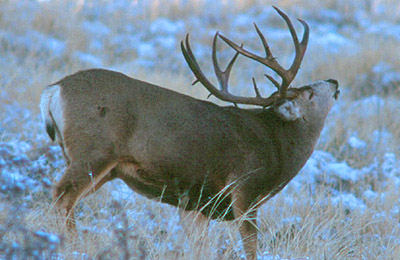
x: 295, y: 224
x: 309, y: 228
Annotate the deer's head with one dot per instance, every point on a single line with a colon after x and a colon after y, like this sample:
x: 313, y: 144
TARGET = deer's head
x: 308, y: 102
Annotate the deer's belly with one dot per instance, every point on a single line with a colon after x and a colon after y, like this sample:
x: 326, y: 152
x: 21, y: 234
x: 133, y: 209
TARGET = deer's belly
x: 201, y: 195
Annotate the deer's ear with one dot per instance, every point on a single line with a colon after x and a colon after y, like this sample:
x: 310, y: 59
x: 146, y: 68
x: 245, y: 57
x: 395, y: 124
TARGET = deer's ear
x: 289, y: 110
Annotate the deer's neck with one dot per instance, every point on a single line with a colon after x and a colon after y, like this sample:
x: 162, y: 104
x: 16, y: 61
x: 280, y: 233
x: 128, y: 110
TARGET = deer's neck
x: 294, y: 141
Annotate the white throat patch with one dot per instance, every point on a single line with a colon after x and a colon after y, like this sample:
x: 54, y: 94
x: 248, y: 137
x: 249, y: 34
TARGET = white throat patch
x: 289, y: 111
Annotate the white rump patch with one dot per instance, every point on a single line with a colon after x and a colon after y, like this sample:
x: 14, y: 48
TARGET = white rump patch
x: 51, y: 108
x: 44, y: 104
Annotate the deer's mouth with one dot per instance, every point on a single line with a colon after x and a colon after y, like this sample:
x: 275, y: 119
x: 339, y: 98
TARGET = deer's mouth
x: 336, y: 95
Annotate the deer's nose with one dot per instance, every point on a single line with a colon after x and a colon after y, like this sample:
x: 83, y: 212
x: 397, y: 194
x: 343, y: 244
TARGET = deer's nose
x: 333, y: 81
x: 336, y: 85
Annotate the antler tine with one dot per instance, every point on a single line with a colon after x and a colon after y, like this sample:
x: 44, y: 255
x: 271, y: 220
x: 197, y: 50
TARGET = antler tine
x: 255, y: 87
x: 289, y: 24
x: 300, y: 48
x: 194, y: 66
x: 222, y: 76
x: 268, y: 52
x: 276, y: 84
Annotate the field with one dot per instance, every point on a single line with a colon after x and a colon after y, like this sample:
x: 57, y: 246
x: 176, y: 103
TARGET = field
x: 344, y: 204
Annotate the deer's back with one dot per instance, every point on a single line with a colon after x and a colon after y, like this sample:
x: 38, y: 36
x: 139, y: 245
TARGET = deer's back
x: 113, y: 106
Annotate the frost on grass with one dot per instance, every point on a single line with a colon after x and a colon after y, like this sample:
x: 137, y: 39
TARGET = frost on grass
x: 323, y: 169
x: 359, y: 171
x: 383, y: 79
x: 27, y: 168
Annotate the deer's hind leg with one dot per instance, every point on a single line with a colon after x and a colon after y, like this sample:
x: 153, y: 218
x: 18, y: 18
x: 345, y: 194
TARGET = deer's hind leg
x: 79, y: 179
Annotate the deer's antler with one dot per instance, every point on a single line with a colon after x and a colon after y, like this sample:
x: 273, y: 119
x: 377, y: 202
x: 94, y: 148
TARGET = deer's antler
x: 269, y: 60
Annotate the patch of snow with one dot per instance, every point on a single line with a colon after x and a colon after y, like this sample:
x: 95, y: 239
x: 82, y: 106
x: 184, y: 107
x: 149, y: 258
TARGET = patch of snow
x: 120, y: 191
x: 343, y: 171
x: 315, y: 168
x: 395, y: 211
x: 96, y: 28
x: 267, y: 256
x: 390, y: 165
x: 370, y: 106
x: 124, y: 43
x: 380, y: 216
x: 96, y: 45
x: 391, y: 77
x: 332, y: 42
x: 348, y: 201
x: 381, y: 137
x: 88, y: 59
x: 385, y: 28
x: 51, y: 238
x: 166, y: 42
x: 57, y: 47
x: 33, y: 41
x: 384, y: 78
x: 166, y: 26
x: 362, y: 19
x: 381, y: 68
x: 80, y: 255
x: 291, y: 220
x: 146, y: 50
x: 330, y: 15
x: 370, y: 195
x: 242, y: 20
x: 356, y: 143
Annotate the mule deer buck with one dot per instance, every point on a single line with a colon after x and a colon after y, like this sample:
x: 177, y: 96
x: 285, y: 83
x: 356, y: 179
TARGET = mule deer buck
x: 175, y: 148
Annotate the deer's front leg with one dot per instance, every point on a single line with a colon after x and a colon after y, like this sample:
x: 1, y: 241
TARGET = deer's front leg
x: 247, y: 220
x: 248, y: 232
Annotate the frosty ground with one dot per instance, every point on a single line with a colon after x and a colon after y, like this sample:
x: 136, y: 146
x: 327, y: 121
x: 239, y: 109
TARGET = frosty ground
x: 343, y: 204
